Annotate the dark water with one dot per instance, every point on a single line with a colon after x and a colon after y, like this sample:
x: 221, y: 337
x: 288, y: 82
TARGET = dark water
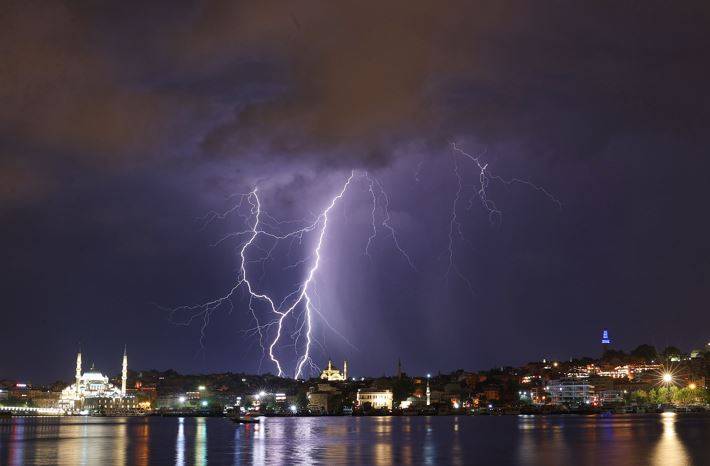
x: 628, y: 440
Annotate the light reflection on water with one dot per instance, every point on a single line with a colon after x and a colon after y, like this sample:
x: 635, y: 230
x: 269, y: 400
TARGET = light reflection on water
x: 201, y: 442
x: 180, y: 443
x: 635, y: 440
x: 670, y: 450
x: 141, y: 437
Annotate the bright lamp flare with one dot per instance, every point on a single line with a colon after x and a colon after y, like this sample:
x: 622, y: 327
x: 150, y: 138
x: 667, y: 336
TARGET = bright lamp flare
x: 667, y: 377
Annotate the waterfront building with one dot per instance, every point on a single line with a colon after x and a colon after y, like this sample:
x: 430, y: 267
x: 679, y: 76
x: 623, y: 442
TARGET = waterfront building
x: 491, y: 393
x: 570, y: 391
x: 170, y: 401
x: 45, y: 399
x: 92, y: 391
x: 193, y: 396
x: 410, y: 402
x: 378, y: 399
x: 610, y: 396
x: 318, y: 402
x: 332, y: 374
x: 323, y: 399
x: 538, y: 395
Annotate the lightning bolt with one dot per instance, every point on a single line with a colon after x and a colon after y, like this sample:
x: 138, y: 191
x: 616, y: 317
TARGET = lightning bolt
x: 485, y: 176
x: 455, y: 227
x: 300, y: 303
x: 302, y: 298
x: 386, y: 218
x: 495, y: 215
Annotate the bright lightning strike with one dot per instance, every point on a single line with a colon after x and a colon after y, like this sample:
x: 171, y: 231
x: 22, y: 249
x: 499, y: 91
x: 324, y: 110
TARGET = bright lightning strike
x: 300, y: 299
x: 303, y: 296
x: 299, y: 304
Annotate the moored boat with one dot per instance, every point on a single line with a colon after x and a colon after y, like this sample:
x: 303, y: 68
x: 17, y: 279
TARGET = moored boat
x: 245, y: 419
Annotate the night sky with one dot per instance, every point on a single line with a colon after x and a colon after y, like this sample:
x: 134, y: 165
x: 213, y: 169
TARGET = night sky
x: 122, y: 124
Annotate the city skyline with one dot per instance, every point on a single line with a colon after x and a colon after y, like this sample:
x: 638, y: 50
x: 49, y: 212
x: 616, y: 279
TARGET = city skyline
x: 397, y: 368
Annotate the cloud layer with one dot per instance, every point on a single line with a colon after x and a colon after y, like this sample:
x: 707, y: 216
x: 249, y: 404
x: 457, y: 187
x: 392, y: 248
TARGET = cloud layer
x: 343, y: 83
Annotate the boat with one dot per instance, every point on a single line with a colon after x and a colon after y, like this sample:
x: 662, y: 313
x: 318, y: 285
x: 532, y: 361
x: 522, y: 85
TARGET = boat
x: 245, y: 420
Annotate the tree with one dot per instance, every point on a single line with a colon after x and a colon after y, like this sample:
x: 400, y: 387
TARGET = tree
x: 639, y: 397
x: 614, y: 356
x: 402, y: 389
x: 671, y: 351
x: 687, y: 396
x: 666, y: 395
x: 645, y: 352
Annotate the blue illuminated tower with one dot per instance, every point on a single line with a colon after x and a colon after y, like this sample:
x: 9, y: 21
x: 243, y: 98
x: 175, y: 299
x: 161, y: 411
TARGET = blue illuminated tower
x: 605, y: 338
x: 606, y: 341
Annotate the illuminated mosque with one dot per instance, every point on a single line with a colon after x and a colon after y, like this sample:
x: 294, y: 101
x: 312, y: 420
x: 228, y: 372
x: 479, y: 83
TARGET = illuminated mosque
x: 332, y: 374
x: 92, y: 390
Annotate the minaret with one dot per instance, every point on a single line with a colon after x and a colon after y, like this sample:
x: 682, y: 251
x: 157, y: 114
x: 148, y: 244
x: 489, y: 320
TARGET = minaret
x: 78, y: 372
x: 124, y: 373
x: 428, y: 391
x: 399, y: 368
x: 345, y: 370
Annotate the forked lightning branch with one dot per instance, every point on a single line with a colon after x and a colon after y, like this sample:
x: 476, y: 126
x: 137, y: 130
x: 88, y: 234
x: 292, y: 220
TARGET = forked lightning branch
x: 299, y: 306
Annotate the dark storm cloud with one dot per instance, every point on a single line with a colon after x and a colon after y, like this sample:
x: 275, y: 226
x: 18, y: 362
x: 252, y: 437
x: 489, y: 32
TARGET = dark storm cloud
x: 343, y: 82
x: 363, y: 79
x: 61, y: 91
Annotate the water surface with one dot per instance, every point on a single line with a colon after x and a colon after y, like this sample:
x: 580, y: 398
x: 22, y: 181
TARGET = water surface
x: 580, y: 440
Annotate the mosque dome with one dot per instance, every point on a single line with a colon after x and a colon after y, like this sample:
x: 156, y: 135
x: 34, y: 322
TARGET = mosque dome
x: 94, y: 377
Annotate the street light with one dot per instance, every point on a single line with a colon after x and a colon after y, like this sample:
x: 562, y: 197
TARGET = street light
x: 294, y: 409
x: 691, y: 386
x: 667, y: 377
x: 204, y: 403
x: 182, y: 399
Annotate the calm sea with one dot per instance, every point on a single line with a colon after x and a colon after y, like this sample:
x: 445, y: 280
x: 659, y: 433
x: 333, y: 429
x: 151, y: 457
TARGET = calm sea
x: 570, y: 440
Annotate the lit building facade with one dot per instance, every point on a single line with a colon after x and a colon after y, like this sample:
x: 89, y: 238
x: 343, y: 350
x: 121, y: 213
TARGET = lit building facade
x: 92, y: 391
x: 570, y: 391
x: 378, y: 399
x: 332, y: 374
